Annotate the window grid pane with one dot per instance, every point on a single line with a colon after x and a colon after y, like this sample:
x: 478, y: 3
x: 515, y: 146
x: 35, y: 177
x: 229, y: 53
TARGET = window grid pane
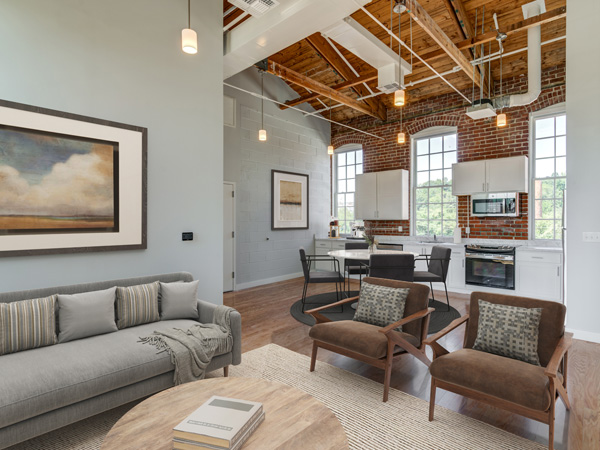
x: 435, y: 208
x: 347, y: 165
x: 549, y: 177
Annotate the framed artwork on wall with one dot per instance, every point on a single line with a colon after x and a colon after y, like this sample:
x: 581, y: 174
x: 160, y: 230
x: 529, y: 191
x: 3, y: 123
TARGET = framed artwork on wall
x: 289, y: 201
x: 70, y: 183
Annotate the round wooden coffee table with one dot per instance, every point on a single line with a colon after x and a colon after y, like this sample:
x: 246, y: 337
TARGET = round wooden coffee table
x: 293, y: 419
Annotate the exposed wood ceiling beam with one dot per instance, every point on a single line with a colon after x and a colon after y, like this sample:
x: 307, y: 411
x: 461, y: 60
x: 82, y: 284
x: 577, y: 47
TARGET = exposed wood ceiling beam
x: 523, y: 25
x: 462, y: 16
x: 323, y: 48
x: 337, y: 87
x: 320, y: 88
x: 429, y: 25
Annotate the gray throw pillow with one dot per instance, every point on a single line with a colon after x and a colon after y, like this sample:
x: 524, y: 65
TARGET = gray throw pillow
x: 86, y: 314
x: 380, y: 305
x: 509, y: 331
x: 27, y: 324
x: 179, y: 300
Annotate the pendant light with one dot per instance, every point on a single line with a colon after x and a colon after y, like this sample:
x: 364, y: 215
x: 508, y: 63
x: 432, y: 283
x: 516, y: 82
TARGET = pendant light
x: 189, y: 39
x: 262, y: 133
x: 330, y: 146
x: 401, y: 135
x: 399, y: 95
x: 501, y: 118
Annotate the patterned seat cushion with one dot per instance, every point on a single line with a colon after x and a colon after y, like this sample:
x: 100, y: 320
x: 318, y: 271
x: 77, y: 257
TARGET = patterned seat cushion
x: 509, y: 331
x: 380, y: 305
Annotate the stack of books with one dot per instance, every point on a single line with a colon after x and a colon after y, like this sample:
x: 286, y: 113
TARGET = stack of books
x: 221, y: 423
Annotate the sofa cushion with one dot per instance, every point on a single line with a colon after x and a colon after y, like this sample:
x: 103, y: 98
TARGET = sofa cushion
x: 27, y: 324
x: 179, y: 300
x: 40, y: 380
x: 509, y: 331
x: 505, y: 378
x: 137, y: 305
x: 86, y: 314
x: 358, y: 337
x: 381, y: 305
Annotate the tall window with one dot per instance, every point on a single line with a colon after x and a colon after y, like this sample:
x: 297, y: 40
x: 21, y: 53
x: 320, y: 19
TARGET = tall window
x: 434, y: 204
x: 347, y: 165
x: 549, y: 174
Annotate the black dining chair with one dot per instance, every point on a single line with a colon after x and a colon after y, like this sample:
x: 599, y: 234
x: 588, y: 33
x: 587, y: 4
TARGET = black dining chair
x: 354, y: 266
x: 437, y: 269
x: 394, y: 267
x: 322, y: 276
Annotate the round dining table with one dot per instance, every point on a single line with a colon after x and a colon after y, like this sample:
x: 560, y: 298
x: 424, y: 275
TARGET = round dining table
x: 365, y: 254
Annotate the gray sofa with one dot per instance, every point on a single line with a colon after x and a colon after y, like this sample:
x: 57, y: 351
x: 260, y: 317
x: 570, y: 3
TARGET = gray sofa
x: 49, y: 387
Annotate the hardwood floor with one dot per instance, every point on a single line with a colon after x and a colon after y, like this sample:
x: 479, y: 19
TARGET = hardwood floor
x: 266, y: 319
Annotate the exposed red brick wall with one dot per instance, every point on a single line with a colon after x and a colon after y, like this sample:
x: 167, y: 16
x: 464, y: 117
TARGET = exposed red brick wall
x: 477, y: 140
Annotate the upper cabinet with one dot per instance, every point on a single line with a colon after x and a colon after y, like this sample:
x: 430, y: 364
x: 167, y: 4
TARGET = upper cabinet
x: 491, y: 175
x: 382, y: 195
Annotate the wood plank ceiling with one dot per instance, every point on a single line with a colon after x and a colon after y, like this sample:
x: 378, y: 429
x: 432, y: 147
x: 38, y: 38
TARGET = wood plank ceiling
x: 455, y: 18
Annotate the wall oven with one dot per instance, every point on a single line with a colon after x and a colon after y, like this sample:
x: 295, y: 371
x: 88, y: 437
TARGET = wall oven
x: 498, y: 204
x: 490, y: 266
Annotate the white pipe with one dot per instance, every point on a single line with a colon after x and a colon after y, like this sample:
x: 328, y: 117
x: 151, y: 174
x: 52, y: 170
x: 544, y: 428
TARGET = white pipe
x: 236, y: 20
x: 366, y: 11
x: 254, y: 94
x: 534, y: 65
x: 497, y: 55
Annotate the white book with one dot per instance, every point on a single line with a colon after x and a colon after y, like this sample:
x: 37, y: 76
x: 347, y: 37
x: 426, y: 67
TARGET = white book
x: 219, y: 422
x: 183, y: 444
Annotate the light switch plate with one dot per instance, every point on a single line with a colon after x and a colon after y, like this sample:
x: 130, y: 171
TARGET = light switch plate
x: 591, y: 236
x: 400, y: 229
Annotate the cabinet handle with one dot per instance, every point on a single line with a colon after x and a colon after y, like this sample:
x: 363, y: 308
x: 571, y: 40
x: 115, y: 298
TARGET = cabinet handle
x: 537, y: 257
x: 483, y: 187
x: 463, y: 263
x: 558, y: 271
x: 488, y: 187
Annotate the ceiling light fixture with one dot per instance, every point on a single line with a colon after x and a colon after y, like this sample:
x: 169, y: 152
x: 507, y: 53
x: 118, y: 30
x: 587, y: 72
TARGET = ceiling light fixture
x: 401, y: 135
x: 189, y: 38
x: 399, y: 95
x: 501, y: 118
x: 330, y: 146
x: 262, y: 133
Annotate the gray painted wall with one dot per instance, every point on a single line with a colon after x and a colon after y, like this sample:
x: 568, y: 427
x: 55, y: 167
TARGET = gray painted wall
x: 583, y: 161
x: 122, y: 61
x: 295, y: 144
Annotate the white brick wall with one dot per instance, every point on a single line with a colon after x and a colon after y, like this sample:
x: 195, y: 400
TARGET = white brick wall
x: 295, y: 143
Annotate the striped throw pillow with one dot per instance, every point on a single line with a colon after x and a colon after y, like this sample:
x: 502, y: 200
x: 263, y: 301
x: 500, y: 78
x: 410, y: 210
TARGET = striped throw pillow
x: 137, y: 305
x: 27, y: 324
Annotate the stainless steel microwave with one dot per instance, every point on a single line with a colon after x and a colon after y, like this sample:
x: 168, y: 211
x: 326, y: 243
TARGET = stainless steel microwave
x: 494, y: 205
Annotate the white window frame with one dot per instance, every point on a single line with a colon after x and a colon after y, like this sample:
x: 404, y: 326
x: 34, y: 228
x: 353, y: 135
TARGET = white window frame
x: 343, y: 149
x: 426, y: 133
x: 551, y: 111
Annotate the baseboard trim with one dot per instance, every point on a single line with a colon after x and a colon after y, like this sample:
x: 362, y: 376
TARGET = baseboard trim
x: 251, y: 284
x: 585, y: 335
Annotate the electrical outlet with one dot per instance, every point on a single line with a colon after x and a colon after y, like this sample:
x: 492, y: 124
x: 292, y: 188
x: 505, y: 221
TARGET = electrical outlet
x: 400, y: 229
x: 591, y: 236
x: 467, y: 230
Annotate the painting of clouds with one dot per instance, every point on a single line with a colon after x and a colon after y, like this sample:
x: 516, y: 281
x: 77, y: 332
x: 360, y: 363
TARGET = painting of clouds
x: 53, y: 183
x: 290, y: 200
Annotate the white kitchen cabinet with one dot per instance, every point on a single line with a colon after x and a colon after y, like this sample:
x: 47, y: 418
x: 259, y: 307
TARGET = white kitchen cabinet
x: 491, y: 175
x: 421, y: 249
x: 468, y: 177
x: 456, y: 271
x: 539, y: 275
x: 322, y: 248
x: 382, y: 195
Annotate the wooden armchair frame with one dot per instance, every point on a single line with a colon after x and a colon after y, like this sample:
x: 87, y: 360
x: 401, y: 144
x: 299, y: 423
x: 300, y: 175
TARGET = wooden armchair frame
x: 558, y: 362
x: 392, y: 338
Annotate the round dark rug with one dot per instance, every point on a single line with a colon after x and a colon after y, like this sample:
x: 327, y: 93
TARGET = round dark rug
x: 440, y: 318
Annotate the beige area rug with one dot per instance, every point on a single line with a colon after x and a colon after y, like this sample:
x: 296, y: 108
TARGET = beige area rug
x: 399, y: 424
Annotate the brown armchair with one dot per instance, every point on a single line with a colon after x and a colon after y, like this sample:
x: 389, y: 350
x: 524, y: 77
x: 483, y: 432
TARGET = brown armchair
x: 372, y: 344
x: 510, y: 384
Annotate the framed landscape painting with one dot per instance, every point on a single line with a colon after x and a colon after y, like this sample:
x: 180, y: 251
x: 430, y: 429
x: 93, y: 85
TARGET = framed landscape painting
x: 289, y: 201
x: 69, y: 183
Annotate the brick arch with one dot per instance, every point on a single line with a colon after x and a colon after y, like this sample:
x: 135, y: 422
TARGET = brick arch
x: 345, y: 139
x: 446, y: 120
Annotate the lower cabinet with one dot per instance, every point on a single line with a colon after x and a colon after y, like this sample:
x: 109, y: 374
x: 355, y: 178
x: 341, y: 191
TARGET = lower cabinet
x: 539, y: 275
x: 322, y: 248
x: 456, y: 271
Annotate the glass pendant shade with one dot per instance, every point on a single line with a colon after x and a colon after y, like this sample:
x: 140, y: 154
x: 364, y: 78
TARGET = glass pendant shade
x: 262, y: 135
x: 501, y: 120
x: 189, y: 41
x: 330, y: 149
x: 399, y: 97
x: 401, y: 138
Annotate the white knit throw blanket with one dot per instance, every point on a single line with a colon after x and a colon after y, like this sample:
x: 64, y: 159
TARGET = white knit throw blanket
x: 192, y: 350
